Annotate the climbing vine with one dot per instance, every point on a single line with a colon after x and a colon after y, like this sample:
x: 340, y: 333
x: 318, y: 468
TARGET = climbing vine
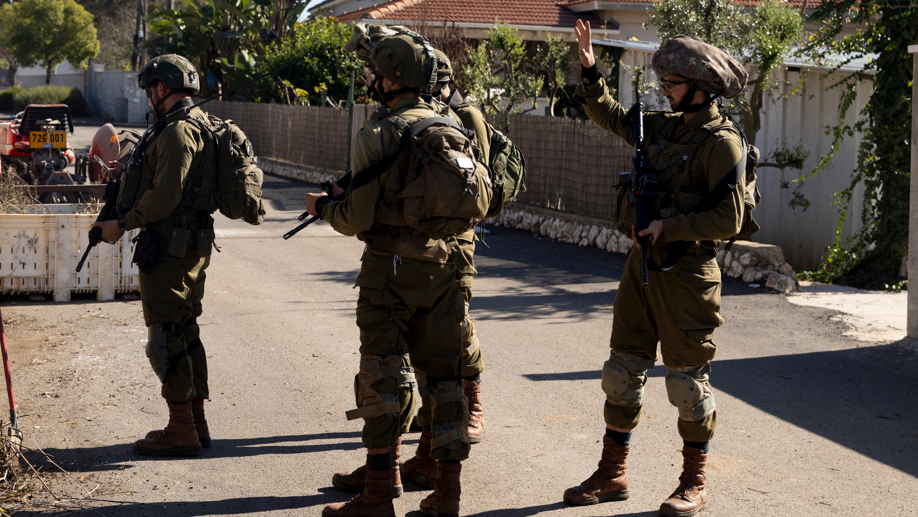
x: 871, y: 259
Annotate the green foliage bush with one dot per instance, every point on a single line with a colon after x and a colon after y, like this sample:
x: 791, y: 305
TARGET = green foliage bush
x: 15, y: 99
x: 6, y: 98
x: 326, y: 68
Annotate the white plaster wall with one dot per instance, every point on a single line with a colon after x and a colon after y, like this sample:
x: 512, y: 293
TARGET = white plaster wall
x: 117, y: 97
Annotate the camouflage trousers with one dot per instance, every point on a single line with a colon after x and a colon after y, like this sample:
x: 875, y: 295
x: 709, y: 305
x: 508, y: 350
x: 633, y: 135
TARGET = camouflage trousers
x: 680, y: 310
x: 414, y: 307
x: 171, y: 298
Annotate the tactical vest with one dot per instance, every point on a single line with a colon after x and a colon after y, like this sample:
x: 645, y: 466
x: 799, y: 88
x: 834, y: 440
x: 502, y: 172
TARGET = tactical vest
x: 190, y: 225
x: 677, y: 192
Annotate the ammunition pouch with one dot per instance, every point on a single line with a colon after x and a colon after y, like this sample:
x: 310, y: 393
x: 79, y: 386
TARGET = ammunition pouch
x: 182, y: 234
x: 146, y: 251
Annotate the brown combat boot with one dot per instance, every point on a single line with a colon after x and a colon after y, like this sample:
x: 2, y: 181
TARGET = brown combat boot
x: 692, y: 493
x: 355, y: 481
x: 179, y: 438
x: 476, y: 412
x: 608, y: 483
x: 444, y: 501
x: 374, y: 501
x: 421, y: 469
x: 200, y: 423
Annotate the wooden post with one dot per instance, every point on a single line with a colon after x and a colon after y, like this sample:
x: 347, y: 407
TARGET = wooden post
x: 913, y: 207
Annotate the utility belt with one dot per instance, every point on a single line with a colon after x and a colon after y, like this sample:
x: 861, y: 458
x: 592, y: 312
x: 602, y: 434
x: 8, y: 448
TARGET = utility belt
x: 183, y: 234
x: 665, y: 256
x: 175, y: 237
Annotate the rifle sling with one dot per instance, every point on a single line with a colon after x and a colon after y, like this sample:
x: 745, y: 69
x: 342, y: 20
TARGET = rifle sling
x: 377, y: 168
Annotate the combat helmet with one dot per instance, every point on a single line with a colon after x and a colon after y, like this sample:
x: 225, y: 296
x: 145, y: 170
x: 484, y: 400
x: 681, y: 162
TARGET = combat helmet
x: 710, y: 69
x: 397, y: 53
x: 444, y: 67
x: 174, y: 71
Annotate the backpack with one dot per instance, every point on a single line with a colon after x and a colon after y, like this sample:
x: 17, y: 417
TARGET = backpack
x: 508, y: 169
x: 753, y: 197
x: 435, y: 184
x: 238, y: 178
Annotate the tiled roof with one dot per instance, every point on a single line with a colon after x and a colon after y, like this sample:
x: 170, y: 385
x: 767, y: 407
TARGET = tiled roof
x: 544, y: 13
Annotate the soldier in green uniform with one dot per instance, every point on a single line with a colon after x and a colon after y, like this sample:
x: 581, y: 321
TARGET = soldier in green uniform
x: 409, y: 300
x: 158, y: 195
x: 422, y: 468
x: 692, y: 149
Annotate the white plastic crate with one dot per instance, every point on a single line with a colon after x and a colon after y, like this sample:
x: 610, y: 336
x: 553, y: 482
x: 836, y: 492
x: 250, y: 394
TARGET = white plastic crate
x: 39, y: 254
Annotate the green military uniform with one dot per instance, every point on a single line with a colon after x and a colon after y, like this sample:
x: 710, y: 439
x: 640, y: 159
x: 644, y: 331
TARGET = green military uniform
x: 171, y: 293
x: 409, y: 303
x: 464, y: 255
x: 681, y: 307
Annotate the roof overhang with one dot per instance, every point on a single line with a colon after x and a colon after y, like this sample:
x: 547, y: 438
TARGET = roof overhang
x: 851, y: 65
x: 595, y: 5
x: 478, y: 25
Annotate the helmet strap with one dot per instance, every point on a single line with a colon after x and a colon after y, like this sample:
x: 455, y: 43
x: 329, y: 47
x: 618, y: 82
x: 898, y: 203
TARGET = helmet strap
x: 160, y: 103
x: 685, y: 105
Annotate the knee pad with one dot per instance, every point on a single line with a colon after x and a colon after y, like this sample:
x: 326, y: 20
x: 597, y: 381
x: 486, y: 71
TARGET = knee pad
x: 375, y: 399
x: 156, y: 351
x: 623, y: 387
x: 470, y: 343
x: 450, y: 411
x: 693, y: 396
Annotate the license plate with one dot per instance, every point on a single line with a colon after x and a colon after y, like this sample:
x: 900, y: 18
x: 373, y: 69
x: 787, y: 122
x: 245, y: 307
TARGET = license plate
x: 52, y: 140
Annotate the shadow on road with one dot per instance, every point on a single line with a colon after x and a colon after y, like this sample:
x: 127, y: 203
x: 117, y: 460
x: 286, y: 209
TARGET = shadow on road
x: 860, y: 398
x: 112, y: 457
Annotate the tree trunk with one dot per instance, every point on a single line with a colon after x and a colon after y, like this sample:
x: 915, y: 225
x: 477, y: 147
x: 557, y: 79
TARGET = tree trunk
x: 48, y: 69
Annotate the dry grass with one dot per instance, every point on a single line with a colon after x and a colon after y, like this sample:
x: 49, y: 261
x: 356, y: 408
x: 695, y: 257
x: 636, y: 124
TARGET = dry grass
x: 14, y: 200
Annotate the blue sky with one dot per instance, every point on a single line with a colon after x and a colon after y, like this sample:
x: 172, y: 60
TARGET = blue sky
x: 306, y: 12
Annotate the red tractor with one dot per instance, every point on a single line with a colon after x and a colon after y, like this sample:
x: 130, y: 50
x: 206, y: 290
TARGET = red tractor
x: 34, y: 146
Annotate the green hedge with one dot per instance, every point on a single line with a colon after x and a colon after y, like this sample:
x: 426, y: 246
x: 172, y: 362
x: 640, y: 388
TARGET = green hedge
x: 15, y: 99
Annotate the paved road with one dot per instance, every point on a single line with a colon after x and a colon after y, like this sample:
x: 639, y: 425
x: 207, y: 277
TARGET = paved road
x: 811, y: 423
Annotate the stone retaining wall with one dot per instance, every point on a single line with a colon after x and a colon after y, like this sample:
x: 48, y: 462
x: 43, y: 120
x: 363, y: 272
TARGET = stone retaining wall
x: 752, y: 261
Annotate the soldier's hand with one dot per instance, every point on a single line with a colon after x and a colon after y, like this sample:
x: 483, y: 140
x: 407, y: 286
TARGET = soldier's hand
x: 116, y: 167
x: 311, y: 202
x: 585, y: 43
x: 110, y: 230
x: 654, y: 229
x: 336, y: 190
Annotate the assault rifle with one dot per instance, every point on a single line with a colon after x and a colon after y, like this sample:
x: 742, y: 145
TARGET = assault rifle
x: 108, y: 213
x: 642, y: 185
x: 329, y: 189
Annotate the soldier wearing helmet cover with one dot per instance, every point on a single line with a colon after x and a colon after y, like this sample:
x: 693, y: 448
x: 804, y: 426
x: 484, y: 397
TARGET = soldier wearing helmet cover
x: 692, y: 149
x: 158, y: 195
x: 409, y: 300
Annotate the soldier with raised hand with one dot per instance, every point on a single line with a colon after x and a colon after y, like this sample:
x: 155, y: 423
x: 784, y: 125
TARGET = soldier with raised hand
x: 692, y: 150
x: 160, y: 195
x: 409, y: 300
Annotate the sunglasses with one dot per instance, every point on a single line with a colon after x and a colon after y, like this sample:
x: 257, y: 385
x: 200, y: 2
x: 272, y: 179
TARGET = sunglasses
x: 669, y: 85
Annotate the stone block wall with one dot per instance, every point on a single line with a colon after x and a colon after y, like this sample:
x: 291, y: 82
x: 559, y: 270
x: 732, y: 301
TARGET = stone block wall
x: 753, y: 262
